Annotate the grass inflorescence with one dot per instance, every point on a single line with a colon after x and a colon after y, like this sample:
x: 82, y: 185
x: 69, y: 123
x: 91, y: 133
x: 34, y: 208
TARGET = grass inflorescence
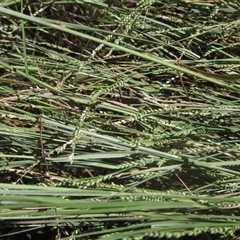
x: 119, y: 119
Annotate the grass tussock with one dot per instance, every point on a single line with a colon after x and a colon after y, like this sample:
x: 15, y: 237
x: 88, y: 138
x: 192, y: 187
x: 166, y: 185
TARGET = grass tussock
x: 119, y: 119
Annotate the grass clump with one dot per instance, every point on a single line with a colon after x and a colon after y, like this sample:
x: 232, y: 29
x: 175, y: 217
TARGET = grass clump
x: 119, y: 120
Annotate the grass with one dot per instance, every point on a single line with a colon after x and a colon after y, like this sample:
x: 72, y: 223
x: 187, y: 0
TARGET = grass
x: 119, y: 120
